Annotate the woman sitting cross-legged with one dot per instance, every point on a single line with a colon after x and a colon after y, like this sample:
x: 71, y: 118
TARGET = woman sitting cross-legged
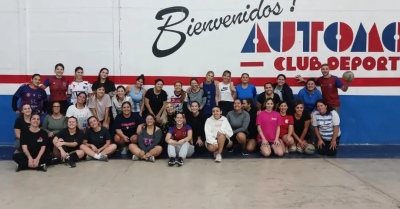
x: 67, y: 142
x: 148, y: 141
x: 97, y: 141
x: 179, y: 140
x: 33, y: 146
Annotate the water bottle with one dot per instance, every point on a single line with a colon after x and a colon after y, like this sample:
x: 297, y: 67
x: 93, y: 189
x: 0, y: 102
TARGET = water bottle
x: 84, y: 124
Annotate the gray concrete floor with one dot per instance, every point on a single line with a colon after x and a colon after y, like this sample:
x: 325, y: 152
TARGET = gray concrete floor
x: 242, y: 184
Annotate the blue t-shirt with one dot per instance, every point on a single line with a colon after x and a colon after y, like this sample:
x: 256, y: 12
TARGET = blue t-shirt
x: 248, y: 93
x: 309, y: 99
x: 34, y: 97
x: 179, y: 133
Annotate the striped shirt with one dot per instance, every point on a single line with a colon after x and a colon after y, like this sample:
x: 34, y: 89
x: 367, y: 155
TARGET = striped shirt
x: 326, y: 123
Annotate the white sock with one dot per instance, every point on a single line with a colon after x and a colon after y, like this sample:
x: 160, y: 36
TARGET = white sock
x: 97, y: 156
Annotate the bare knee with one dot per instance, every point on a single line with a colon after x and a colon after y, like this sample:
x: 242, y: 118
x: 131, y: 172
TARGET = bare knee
x: 251, y: 145
x: 212, y: 148
x: 134, y: 139
x: 241, y: 138
x: 278, y: 151
x: 118, y: 139
x: 265, y: 151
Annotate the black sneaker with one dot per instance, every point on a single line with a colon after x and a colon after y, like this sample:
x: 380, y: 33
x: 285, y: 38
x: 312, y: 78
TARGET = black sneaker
x: 71, y: 163
x: 179, y: 161
x: 171, y: 161
x: 245, y: 153
x: 231, y: 148
x: 42, y: 167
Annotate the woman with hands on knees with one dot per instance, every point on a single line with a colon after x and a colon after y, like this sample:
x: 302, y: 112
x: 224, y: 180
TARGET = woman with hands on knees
x: 179, y: 140
x: 302, y: 122
x: 67, y: 142
x: 218, y: 133
x: 268, y: 125
x: 197, y: 121
x: 97, y: 141
x: 148, y: 141
x: 33, y: 146
x: 286, y: 129
x: 326, y: 123
x: 126, y: 125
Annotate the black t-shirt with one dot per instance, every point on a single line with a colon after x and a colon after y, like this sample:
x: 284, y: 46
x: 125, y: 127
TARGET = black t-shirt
x: 34, y: 141
x: 99, y: 138
x: 156, y: 102
x: 252, y: 128
x: 109, y: 86
x: 67, y: 137
x: 299, y: 124
x: 261, y: 99
x: 128, y: 125
x: 197, y: 124
x: 21, y: 124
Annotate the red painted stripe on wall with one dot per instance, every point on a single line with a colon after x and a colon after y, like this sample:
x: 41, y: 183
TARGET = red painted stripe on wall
x: 170, y: 80
x: 251, y: 64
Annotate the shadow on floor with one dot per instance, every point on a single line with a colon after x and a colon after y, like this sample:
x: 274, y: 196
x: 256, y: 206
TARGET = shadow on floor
x: 345, y: 151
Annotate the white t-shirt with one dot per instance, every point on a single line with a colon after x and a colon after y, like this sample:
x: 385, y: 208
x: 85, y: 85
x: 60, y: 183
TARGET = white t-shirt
x: 77, y: 87
x: 176, y: 101
x: 81, y: 114
x: 225, y: 92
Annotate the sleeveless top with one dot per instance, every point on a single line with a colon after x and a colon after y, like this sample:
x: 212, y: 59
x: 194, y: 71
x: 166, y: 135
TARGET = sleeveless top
x: 137, y: 99
x: 225, y: 93
x: 209, y: 91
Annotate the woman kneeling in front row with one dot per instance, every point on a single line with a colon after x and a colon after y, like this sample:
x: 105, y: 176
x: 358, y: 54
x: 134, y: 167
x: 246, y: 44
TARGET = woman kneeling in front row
x: 67, y: 142
x: 179, y: 140
x: 97, y: 141
x: 33, y: 145
x: 268, y: 125
x: 148, y: 141
x: 326, y: 124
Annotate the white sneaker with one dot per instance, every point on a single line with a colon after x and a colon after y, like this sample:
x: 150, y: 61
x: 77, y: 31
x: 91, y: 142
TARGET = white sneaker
x: 218, y: 158
x: 300, y: 150
x: 135, y: 158
x: 293, y: 149
x: 124, y: 150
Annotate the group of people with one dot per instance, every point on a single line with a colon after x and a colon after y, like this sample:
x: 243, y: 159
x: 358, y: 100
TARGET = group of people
x: 91, y: 121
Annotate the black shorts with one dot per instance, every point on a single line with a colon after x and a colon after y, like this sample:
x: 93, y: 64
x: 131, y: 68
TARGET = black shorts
x: 270, y: 144
x: 234, y: 139
x: 70, y: 149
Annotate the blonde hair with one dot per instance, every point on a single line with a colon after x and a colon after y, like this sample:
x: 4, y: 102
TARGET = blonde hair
x: 164, y: 115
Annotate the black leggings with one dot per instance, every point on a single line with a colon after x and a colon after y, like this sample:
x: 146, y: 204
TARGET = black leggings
x: 325, y: 149
x: 225, y: 106
x: 22, y: 160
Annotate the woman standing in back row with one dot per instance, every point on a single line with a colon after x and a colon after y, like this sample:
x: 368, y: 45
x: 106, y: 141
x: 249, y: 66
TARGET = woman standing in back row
x: 210, y: 92
x: 58, y: 85
x: 137, y: 93
x: 79, y: 85
x: 103, y: 79
x: 226, y: 92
